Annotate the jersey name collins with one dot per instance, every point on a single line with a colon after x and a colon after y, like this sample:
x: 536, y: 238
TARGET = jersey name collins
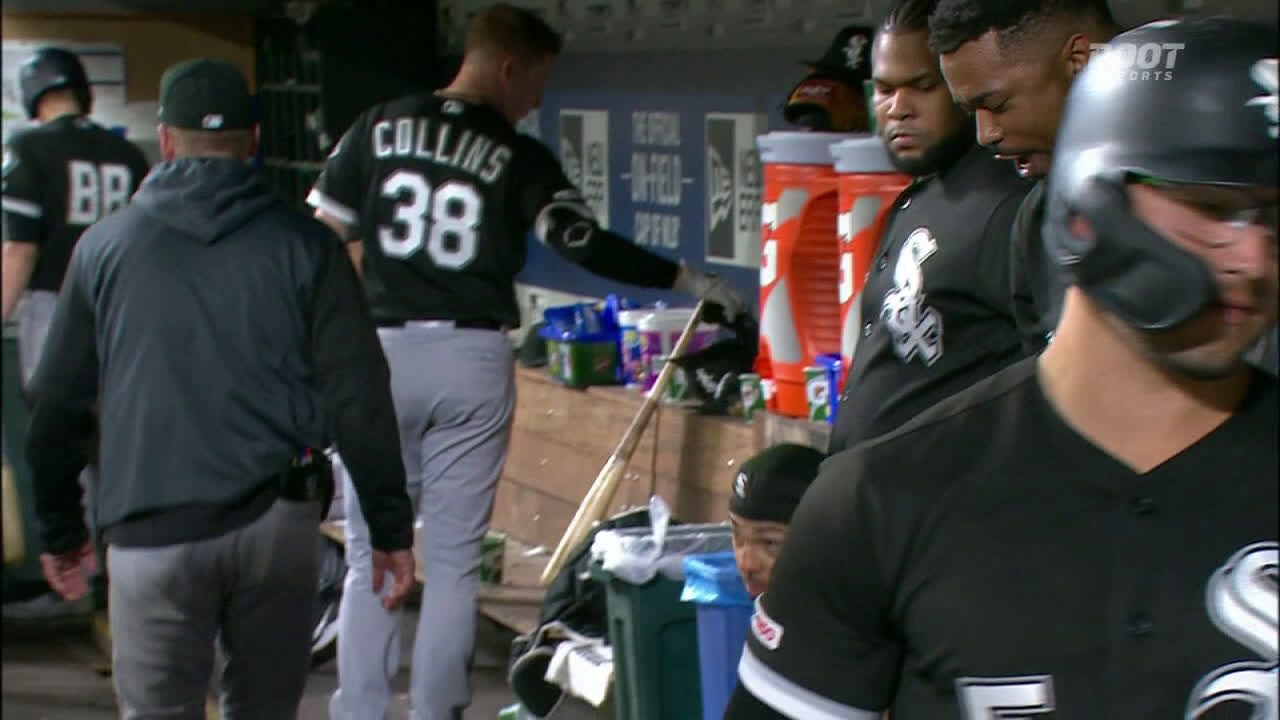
x: 435, y: 141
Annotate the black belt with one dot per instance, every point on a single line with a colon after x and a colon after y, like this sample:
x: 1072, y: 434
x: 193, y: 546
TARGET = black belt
x: 460, y: 324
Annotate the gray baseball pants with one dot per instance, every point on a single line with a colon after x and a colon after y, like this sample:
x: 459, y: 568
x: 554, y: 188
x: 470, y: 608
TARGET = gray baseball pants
x: 454, y: 391
x: 252, y: 590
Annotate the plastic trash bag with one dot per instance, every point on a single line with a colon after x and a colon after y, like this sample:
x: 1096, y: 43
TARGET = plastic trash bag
x: 637, y: 555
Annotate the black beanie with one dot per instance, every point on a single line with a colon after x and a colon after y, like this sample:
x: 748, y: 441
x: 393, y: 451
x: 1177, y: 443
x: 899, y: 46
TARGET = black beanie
x: 768, y: 487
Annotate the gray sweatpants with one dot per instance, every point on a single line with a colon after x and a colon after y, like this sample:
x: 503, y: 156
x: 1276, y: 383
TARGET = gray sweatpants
x: 252, y: 590
x: 454, y: 392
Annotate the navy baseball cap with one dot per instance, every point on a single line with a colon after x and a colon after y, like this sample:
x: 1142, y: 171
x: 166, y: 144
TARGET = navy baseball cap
x: 205, y: 94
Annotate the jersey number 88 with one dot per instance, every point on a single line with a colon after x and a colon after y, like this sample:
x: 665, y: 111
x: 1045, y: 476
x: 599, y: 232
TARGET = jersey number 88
x: 445, y: 220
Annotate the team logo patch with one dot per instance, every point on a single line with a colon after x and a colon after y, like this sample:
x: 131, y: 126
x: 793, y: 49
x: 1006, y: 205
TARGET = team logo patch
x: 853, y: 51
x: 767, y: 631
x: 740, y: 485
x: 1264, y: 73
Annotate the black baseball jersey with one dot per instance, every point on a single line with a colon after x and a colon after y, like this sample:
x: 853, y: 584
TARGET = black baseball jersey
x: 986, y: 561
x: 60, y: 177
x: 935, y: 307
x: 443, y: 192
x: 1038, y: 287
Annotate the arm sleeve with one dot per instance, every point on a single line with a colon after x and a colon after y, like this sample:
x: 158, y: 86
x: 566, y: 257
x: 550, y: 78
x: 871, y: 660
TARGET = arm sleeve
x: 22, y: 199
x: 341, y: 185
x: 562, y: 220
x: 356, y: 384
x: 821, y: 645
x: 63, y: 392
x: 1028, y: 272
x: 994, y: 259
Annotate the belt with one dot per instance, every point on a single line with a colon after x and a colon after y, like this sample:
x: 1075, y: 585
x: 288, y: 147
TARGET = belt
x: 458, y: 324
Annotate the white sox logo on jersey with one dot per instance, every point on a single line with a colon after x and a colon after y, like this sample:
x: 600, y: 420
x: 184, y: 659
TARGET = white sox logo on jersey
x: 916, y: 328
x: 1264, y: 73
x: 1241, y: 601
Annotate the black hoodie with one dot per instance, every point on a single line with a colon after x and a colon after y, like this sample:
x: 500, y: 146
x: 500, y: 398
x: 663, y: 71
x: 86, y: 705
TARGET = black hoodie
x: 222, y: 334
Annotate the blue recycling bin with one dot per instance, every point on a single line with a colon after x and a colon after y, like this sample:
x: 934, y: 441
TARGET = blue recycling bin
x: 723, y: 613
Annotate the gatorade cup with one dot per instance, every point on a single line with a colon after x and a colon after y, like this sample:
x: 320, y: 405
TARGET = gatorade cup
x: 677, y: 389
x: 817, y: 391
x: 752, y: 391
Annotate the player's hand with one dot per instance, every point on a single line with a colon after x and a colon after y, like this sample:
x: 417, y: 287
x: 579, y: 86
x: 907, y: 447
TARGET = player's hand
x: 400, y: 564
x: 710, y: 287
x: 68, y: 573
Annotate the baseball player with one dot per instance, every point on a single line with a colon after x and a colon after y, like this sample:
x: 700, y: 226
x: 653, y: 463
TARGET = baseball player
x: 60, y: 177
x: 936, y: 304
x: 1010, y: 63
x: 437, y: 193
x: 1091, y: 533
x: 766, y: 491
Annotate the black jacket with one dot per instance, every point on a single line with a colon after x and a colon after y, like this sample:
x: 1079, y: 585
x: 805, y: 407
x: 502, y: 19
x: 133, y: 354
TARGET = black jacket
x: 222, y: 334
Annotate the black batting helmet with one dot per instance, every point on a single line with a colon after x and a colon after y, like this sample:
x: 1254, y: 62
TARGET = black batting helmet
x: 1189, y: 101
x: 48, y: 69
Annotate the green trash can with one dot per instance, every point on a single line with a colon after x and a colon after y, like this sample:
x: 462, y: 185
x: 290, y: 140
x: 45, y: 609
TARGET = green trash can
x: 653, y: 634
x: 655, y: 649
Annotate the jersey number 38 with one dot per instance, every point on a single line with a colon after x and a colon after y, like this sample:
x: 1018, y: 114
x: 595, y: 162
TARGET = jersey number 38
x: 445, y: 220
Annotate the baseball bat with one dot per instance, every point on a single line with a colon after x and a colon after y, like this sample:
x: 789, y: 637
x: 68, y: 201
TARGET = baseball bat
x: 596, y: 502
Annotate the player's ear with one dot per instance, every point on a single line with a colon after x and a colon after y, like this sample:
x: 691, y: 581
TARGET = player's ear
x: 166, y: 142
x: 1076, y: 53
x: 506, y: 69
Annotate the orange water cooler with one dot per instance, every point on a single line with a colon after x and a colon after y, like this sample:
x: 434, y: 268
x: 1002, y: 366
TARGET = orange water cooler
x: 868, y: 185
x: 799, y: 262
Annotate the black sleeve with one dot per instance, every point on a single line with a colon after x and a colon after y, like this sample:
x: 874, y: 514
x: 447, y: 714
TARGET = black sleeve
x: 63, y: 392
x: 561, y: 219
x: 341, y: 186
x: 356, y: 383
x: 1028, y: 269
x: 994, y: 261
x: 821, y: 644
x: 23, y: 195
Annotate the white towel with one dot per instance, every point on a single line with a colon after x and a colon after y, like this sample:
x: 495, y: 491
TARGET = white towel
x: 583, y: 667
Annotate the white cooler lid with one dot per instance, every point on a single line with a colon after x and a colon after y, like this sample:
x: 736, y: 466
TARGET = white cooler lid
x: 798, y: 147
x: 862, y: 154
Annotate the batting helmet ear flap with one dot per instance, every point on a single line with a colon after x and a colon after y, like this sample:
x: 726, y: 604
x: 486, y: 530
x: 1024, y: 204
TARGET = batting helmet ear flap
x: 1126, y: 267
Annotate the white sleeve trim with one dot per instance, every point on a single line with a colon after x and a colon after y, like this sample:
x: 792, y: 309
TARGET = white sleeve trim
x: 790, y: 699
x: 342, y: 213
x: 21, y: 207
